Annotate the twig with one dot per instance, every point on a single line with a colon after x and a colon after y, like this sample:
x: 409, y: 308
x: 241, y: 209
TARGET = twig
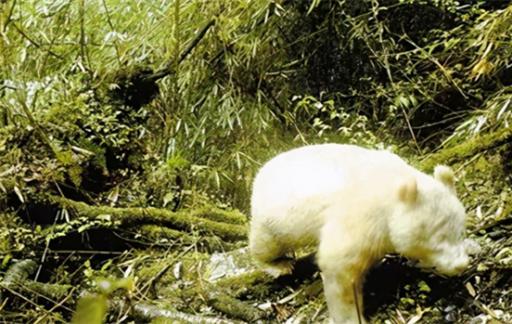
x: 33, y: 42
x: 50, y: 45
x: 168, y: 68
x: 500, y: 222
x: 486, y: 309
x: 164, y: 270
x: 8, y: 20
x: 83, y: 48
x: 410, y: 130
x: 15, y: 293
x: 439, y: 65
x: 61, y: 303
x: 358, y: 308
x: 46, y: 249
x: 111, y: 25
x: 37, y: 127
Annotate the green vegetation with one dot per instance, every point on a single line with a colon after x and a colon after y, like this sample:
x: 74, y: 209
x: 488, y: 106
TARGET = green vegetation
x: 130, y: 132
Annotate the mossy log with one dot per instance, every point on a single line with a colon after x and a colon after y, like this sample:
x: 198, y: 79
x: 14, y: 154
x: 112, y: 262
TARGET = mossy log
x: 16, y: 279
x: 234, y: 307
x: 53, y: 291
x: 19, y: 272
x: 156, y: 233
x: 230, y: 228
x: 466, y: 149
x: 147, y: 312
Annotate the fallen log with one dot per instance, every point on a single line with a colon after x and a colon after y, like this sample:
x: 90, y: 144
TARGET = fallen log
x: 186, y: 220
x: 466, y: 149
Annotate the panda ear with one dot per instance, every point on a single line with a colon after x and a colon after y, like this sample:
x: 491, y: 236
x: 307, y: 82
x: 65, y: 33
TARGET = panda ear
x: 445, y: 175
x: 408, y: 191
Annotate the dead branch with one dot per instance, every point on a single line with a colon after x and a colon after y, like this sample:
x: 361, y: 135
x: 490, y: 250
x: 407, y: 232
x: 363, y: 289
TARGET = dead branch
x: 186, y: 220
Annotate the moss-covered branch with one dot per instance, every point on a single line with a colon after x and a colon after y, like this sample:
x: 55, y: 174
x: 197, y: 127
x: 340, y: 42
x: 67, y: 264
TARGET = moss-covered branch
x: 466, y: 149
x: 234, y: 307
x: 150, y: 312
x: 19, y: 272
x: 220, y: 215
x: 157, y: 233
x: 190, y: 221
x: 16, y: 279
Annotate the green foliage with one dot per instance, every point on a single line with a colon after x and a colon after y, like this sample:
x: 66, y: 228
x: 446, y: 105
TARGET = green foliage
x: 496, y: 114
x: 328, y: 119
x: 91, y: 309
x: 407, y: 63
x: 352, y: 69
x: 266, y: 77
x: 491, y: 37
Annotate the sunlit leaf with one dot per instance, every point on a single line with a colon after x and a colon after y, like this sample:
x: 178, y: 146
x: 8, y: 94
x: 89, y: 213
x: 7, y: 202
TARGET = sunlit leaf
x: 91, y: 309
x: 19, y: 194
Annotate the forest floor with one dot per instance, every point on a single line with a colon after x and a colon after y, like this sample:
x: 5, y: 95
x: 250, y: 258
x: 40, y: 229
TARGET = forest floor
x: 128, y: 145
x: 193, y: 265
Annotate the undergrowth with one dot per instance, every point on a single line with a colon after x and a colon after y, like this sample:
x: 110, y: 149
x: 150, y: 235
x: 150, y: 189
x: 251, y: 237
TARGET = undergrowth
x: 177, y: 104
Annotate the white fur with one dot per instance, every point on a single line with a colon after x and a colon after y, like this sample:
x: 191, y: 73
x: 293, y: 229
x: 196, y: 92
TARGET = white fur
x: 355, y: 205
